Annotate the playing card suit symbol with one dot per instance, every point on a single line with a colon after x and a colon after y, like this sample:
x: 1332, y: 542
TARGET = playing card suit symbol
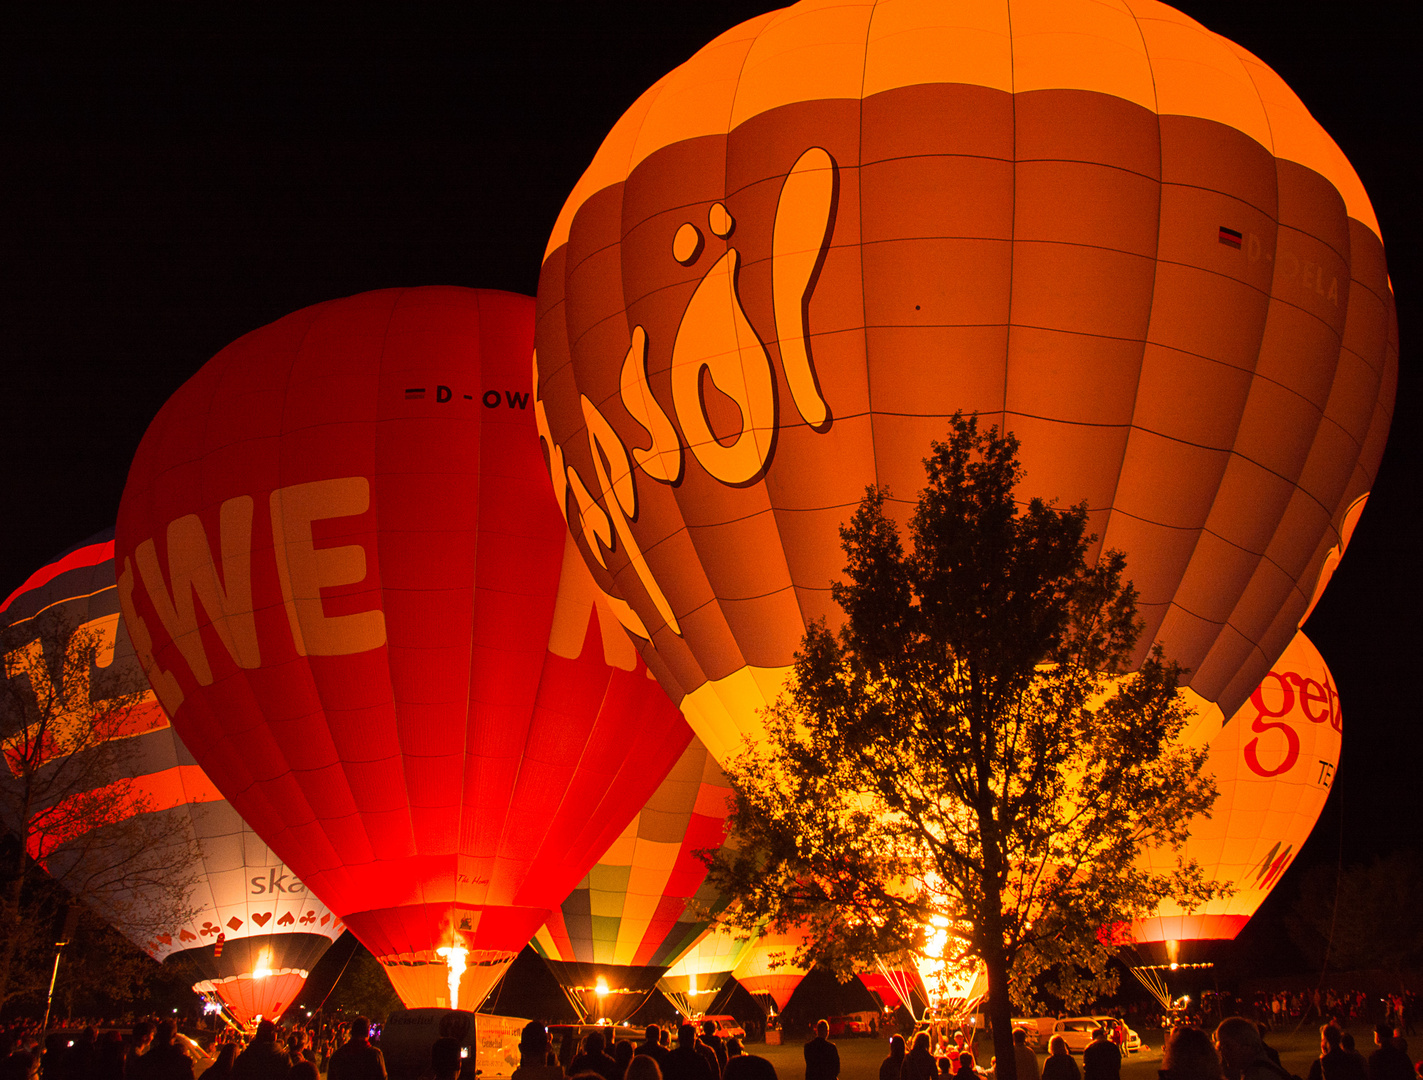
x: 208, y: 929
x: 187, y: 935
x: 167, y: 939
x: 325, y: 919
x: 262, y: 919
x: 234, y: 923
x: 286, y: 920
x: 309, y: 917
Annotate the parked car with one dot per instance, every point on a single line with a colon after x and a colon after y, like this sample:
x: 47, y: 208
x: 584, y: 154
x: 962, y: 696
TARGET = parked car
x: 1037, y: 1032
x: 727, y: 1026
x: 1076, y: 1031
x: 852, y: 1025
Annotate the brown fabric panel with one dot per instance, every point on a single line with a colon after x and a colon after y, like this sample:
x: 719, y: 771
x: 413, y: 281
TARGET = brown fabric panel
x: 1299, y: 353
x: 1069, y: 462
x: 1168, y: 482
x: 1076, y: 125
x: 710, y: 650
x: 938, y: 119
x: 1352, y: 398
x: 1250, y: 501
x: 1294, y: 542
x: 550, y: 317
x: 804, y: 481
x: 901, y: 444
x: 937, y: 282
x: 1367, y: 329
x: 934, y: 370
x: 1233, y: 658
x: 945, y: 195
x: 1329, y: 466
x: 839, y: 358
x: 683, y: 177
x: 1072, y: 202
x: 1210, y: 302
x: 1076, y: 378
x: 1268, y: 591
x: 1189, y: 397
x: 741, y: 557
x: 1313, y: 205
x: 1276, y: 429
x: 768, y: 629
x: 1218, y: 573
x: 1186, y: 637
x: 1203, y: 154
x: 1080, y: 289
x: 815, y: 565
x: 1155, y: 579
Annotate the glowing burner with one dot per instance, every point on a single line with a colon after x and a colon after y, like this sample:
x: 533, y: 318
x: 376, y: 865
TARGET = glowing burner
x: 264, y: 965
x: 454, y: 959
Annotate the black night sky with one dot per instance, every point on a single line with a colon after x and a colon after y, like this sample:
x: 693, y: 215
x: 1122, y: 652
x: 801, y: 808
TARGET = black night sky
x: 177, y: 175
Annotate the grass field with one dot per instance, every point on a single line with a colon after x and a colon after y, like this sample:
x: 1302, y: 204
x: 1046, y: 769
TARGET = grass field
x: 860, y: 1058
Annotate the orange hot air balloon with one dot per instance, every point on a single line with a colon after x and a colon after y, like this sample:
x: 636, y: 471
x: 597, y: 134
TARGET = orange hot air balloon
x: 1274, y: 764
x: 1098, y: 225
x: 646, y: 901
x: 254, y: 930
x: 767, y: 973
x: 347, y: 580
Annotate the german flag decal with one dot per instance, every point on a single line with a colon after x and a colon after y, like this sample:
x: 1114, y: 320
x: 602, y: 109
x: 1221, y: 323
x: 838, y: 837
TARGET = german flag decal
x: 1230, y: 237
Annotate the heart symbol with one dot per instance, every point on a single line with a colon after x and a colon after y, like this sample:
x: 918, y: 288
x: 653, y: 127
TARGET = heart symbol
x: 286, y: 920
x: 167, y: 939
x: 325, y: 919
x: 261, y: 920
x: 234, y: 923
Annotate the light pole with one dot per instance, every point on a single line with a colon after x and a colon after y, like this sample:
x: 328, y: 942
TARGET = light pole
x: 71, y: 918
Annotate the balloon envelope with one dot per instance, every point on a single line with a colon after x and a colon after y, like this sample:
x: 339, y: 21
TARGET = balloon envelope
x: 646, y: 901
x: 695, y: 981
x: 255, y: 930
x: 767, y: 968
x: 1099, y: 226
x: 1274, y: 764
x: 350, y: 587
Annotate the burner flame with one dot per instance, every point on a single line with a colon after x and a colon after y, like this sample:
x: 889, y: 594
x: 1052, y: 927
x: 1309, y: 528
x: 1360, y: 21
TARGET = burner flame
x: 455, y: 960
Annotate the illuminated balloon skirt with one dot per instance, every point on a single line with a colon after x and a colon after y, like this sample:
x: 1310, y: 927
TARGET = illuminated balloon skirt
x: 253, y: 997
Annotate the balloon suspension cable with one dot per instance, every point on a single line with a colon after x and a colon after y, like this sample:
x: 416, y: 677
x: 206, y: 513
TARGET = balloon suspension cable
x: 1154, y: 979
x: 901, y: 982
x: 1334, y: 912
x: 355, y: 945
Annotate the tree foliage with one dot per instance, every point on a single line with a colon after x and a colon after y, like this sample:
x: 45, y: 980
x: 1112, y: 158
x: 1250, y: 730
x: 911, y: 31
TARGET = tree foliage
x: 970, y: 748
x: 69, y: 798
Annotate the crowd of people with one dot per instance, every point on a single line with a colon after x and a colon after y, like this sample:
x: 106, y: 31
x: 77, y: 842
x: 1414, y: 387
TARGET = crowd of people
x: 157, y: 1051
x: 693, y: 1055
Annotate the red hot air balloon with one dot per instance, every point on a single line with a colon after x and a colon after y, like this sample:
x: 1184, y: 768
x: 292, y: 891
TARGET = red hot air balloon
x: 254, y: 930
x: 1095, y: 224
x: 351, y: 588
